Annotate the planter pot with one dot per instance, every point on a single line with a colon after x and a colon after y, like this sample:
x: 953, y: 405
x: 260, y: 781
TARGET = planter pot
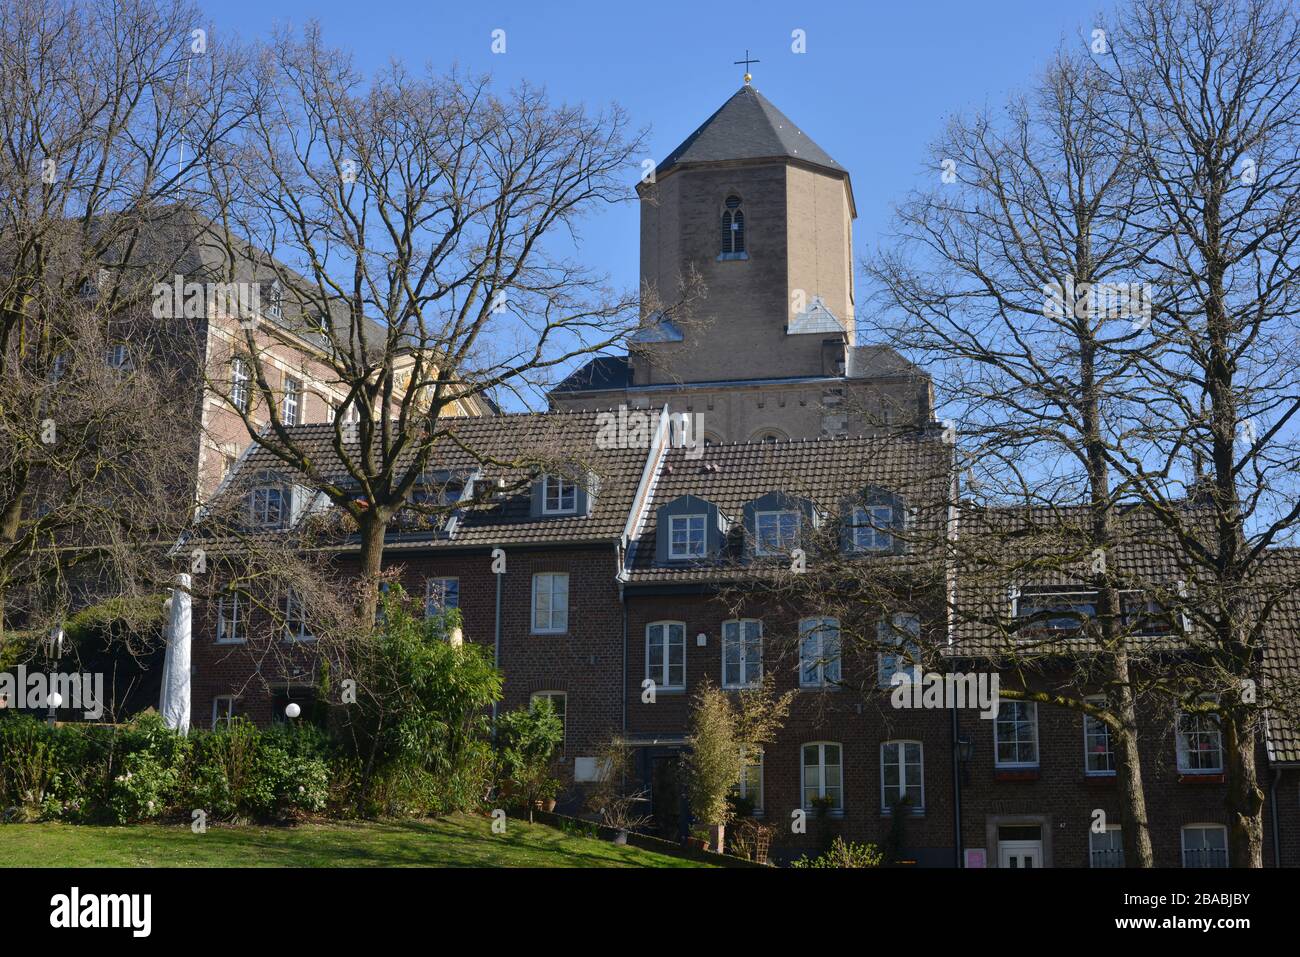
x: 698, y: 843
x: 549, y: 805
x: 620, y: 837
x: 717, y: 837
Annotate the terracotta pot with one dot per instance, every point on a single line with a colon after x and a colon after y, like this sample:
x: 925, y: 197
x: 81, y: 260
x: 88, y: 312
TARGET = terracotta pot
x: 548, y: 805
x: 698, y: 843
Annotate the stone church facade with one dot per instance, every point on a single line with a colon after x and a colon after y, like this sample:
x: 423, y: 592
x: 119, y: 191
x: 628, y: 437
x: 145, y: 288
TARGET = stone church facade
x: 749, y: 311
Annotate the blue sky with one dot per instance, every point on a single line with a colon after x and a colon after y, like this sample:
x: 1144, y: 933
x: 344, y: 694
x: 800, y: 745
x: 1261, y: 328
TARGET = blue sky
x: 875, y: 85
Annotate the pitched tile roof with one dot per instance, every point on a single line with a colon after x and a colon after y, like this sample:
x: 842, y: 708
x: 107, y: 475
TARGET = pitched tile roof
x: 824, y: 471
x: 506, y: 447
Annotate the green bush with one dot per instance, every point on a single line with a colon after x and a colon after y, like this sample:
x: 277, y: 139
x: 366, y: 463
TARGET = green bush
x: 844, y: 854
x: 526, y: 741
x: 152, y: 770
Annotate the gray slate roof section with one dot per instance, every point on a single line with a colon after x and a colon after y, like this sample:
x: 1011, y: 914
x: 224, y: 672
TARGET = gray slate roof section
x: 748, y: 126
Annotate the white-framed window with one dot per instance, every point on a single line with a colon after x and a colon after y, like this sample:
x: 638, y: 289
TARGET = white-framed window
x: 1015, y: 734
x: 1054, y: 610
x: 819, y: 652
x: 750, y: 785
x: 232, y: 619
x: 267, y: 506
x: 291, y: 406
x: 239, y: 379
x: 686, y: 536
x: 902, y: 630
x: 1200, y: 743
x: 294, y: 609
x: 822, y: 776
x: 550, y: 603
x: 775, y: 533
x: 559, y: 496
x: 440, y: 594
x: 902, y: 775
x: 1205, y: 845
x: 742, y: 653
x: 225, y: 709
x: 873, y: 528
x: 1106, y: 849
x: 665, y: 654
x: 1098, y: 752
x: 560, y: 702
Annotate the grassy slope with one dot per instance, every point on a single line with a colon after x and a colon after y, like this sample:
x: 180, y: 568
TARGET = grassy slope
x: 457, y: 841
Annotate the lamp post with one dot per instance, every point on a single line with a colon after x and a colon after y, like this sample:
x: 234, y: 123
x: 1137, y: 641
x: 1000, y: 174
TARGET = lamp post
x: 54, y: 699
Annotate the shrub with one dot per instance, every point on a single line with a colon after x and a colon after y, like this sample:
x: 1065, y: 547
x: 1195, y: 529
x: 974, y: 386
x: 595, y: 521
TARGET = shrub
x: 844, y: 854
x: 151, y: 770
x: 29, y: 767
x: 526, y: 741
x: 420, y: 725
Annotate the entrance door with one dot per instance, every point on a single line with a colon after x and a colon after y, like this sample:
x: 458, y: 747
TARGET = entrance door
x: 1020, y: 854
x: 1020, y: 846
x: 666, y: 795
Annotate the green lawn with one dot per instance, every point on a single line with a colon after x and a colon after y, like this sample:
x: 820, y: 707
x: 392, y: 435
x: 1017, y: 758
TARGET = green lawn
x: 461, y: 840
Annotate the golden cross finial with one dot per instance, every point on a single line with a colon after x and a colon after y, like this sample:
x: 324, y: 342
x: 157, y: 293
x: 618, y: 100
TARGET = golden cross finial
x: 747, y: 61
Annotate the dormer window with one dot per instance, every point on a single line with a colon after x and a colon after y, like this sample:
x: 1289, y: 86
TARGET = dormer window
x: 686, y: 537
x: 1047, y: 610
x: 275, y: 300
x: 776, y: 533
x: 559, y: 496
x: 732, y: 233
x: 873, y: 528
x: 267, y: 506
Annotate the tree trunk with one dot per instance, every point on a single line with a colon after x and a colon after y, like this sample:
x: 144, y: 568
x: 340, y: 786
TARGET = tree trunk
x: 373, y: 525
x: 1245, y: 798
x: 1135, y: 828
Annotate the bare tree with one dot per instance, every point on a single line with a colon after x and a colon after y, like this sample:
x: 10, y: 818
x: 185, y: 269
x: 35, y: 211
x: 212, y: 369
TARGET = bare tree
x: 1209, y: 93
x: 426, y: 217
x: 97, y: 102
x: 1015, y: 279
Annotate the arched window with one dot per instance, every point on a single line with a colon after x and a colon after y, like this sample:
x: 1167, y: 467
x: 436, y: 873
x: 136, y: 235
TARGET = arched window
x: 733, y: 229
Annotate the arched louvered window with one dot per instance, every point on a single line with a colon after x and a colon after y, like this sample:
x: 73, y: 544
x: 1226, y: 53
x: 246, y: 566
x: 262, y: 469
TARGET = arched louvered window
x: 733, y: 228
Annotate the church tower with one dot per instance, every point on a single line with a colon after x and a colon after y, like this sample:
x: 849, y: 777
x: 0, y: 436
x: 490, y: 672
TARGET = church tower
x: 763, y: 217
x: 748, y: 293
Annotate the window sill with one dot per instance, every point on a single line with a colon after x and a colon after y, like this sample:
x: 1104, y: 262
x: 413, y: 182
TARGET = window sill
x: 1202, y: 777
x: 549, y: 634
x: 819, y: 687
x: 915, y: 812
x: 732, y: 257
x: 230, y: 641
x: 1100, y: 778
x: 1015, y: 774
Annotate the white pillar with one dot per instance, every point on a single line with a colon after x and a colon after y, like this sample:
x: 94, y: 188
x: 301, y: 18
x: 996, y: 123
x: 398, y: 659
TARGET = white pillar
x: 175, y: 703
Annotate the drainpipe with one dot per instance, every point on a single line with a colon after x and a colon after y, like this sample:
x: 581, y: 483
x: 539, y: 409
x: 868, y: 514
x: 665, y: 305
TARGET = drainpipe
x: 622, y: 599
x: 1272, y: 800
x: 956, y: 790
x: 496, y: 646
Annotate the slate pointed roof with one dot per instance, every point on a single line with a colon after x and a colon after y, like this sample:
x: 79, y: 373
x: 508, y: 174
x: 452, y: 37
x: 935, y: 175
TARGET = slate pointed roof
x: 748, y: 126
